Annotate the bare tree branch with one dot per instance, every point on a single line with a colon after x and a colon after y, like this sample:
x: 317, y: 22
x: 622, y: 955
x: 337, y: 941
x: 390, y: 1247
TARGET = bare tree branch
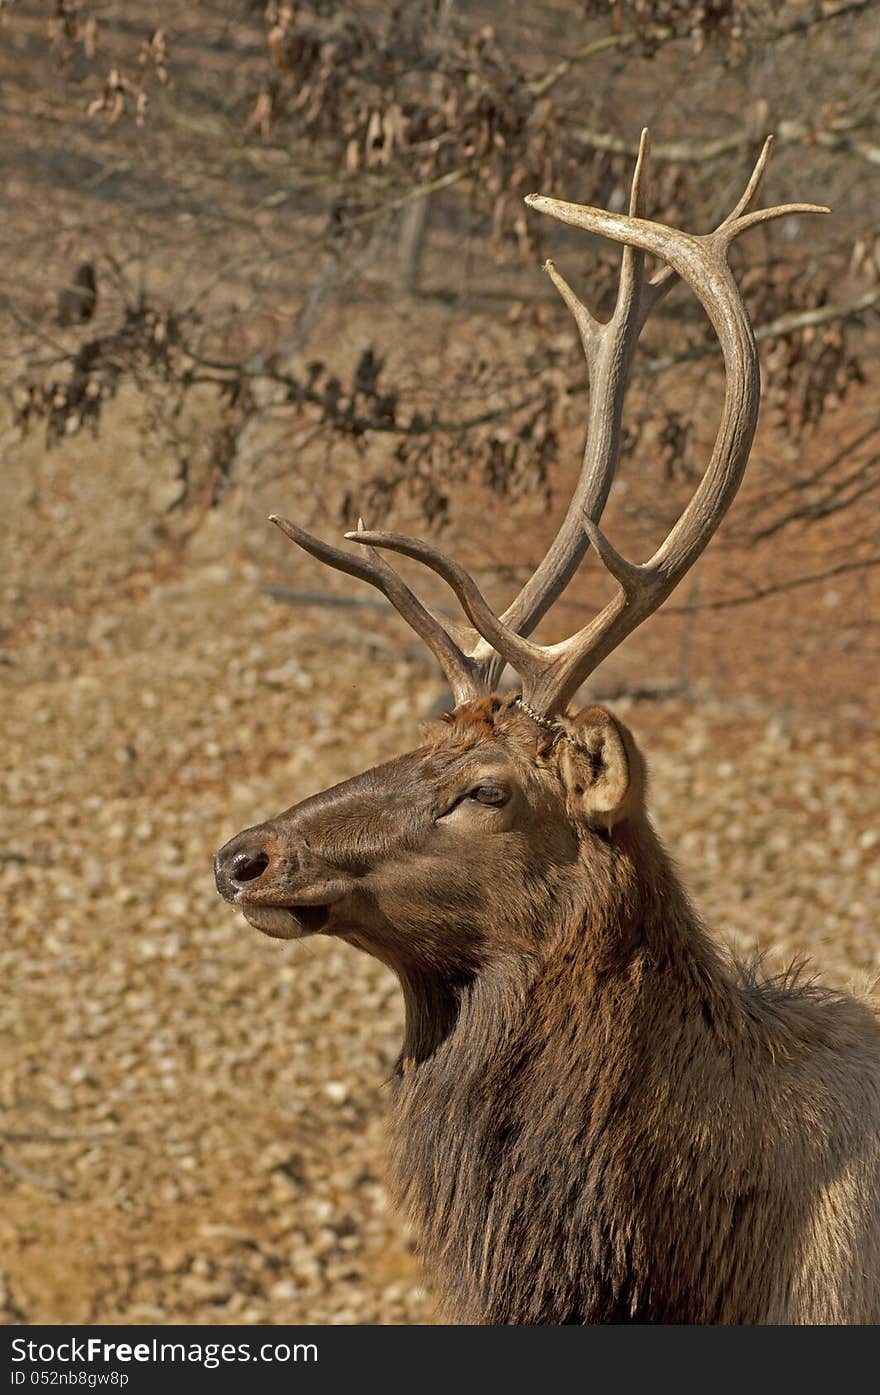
x: 683, y: 152
x: 773, y: 329
x: 760, y: 593
x: 540, y: 85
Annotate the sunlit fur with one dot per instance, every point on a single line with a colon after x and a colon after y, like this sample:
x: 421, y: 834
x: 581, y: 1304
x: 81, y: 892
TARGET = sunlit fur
x: 597, y: 1116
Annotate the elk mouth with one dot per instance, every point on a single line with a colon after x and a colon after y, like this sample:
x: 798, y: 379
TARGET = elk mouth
x: 287, y: 922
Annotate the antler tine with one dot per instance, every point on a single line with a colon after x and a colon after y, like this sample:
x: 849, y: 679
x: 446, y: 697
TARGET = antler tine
x: 753, y: 185
x: 462, y: 672
x: 632, y: 263
x: 589, y: 329
x: 519, y: 652
x: 701, y: 261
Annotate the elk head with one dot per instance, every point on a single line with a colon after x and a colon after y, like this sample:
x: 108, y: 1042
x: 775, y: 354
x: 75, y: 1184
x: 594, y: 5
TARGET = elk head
x: 415, y: 859
x: 513, y: 814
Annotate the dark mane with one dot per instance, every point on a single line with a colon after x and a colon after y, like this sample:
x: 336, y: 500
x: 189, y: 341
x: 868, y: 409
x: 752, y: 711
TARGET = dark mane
x: 599, y: 1146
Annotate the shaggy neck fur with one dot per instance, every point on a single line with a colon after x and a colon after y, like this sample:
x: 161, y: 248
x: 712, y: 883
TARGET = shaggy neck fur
x: 619, y: 1126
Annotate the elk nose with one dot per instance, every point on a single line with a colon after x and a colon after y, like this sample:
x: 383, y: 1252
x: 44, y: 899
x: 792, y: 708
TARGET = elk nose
x: 236, y: 867
x: 248, y: 865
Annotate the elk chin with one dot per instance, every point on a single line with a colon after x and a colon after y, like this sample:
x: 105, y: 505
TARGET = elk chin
x: 287, y: 922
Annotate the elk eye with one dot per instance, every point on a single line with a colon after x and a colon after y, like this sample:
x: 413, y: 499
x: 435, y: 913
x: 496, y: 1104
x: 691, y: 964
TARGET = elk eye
x: 488, y: 794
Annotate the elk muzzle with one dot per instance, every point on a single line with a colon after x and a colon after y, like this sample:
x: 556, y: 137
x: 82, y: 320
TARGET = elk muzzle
x: 279, y: 886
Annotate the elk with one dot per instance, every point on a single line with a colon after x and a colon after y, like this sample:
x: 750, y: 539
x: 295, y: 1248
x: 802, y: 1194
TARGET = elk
x: 598, y: 1116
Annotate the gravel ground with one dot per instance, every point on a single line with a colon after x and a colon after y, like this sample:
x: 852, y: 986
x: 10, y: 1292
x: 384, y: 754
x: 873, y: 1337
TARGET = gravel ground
x: 191, y: 1115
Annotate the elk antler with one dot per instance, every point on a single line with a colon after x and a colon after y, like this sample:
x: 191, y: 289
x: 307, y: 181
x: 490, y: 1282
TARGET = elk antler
x: 472, y: 658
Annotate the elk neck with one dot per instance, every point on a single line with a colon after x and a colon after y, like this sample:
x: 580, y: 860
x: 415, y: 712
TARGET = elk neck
x: 622, y: 916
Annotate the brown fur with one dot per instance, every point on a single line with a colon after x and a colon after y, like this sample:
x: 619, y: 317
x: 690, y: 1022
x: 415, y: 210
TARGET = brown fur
x: 597, y: 1117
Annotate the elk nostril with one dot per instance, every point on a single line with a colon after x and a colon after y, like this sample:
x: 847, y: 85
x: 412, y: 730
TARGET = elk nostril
x: 248, y: 866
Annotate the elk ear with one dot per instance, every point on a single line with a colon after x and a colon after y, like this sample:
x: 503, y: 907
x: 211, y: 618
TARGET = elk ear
x: 601, y: 768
